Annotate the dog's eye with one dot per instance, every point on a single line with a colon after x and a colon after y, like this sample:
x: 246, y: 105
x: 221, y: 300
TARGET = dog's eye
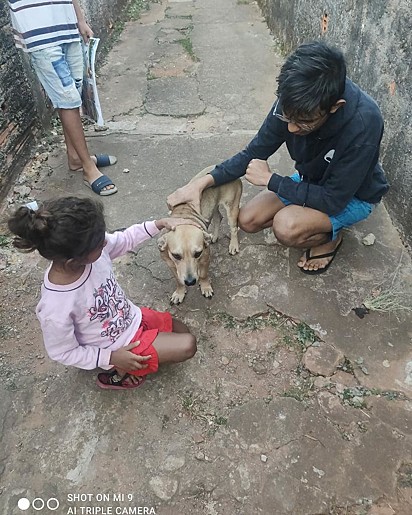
x: 178, y: 257
x: 198, y: 254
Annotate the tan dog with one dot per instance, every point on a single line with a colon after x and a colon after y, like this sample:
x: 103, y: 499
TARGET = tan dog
x: 186, y: 249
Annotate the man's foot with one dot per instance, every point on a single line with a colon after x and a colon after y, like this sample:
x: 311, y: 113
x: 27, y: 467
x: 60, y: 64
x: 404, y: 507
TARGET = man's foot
x: 318, y: 259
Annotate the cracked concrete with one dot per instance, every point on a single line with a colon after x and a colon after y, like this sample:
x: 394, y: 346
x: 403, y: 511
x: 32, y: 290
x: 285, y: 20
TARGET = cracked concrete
x: 293, y: 404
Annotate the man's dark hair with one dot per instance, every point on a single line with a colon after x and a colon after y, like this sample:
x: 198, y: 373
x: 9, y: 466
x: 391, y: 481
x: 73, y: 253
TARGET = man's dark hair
x: 311, y: 80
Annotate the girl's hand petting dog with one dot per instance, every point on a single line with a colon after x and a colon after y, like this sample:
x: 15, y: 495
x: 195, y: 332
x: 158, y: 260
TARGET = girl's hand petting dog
x: 123, y: 359
x: 170, y: 224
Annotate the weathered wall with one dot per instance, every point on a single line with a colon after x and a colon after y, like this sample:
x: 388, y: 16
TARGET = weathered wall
x: 17, y: 106
x: 23, y: 107
x: 103, y: 14
x: 376, y: 37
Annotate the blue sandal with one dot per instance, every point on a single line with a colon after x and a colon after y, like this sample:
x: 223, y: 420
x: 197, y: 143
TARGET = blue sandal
x: 103, y: 160
x: 99, y: 184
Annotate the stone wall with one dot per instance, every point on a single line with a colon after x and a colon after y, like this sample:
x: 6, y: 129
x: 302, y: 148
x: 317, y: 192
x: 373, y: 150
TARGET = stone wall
x: 376, y: 37
x: 18, y: 115
x: 23, y: 106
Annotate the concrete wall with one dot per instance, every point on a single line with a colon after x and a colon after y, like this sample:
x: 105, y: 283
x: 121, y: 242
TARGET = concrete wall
x: 23, y: 106
x: 376, y: 37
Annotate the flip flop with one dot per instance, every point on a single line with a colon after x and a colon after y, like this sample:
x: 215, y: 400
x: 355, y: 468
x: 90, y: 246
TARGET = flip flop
x: 112, y: 381
x: 102, y: 160
x: 328, y: 254
x: 100, y: 183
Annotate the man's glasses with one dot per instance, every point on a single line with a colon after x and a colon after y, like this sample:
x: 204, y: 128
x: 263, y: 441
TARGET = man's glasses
x: 302, y: 125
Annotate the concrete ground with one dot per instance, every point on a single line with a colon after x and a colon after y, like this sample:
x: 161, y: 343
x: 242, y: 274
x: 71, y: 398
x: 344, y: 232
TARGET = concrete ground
x: 293, y: 404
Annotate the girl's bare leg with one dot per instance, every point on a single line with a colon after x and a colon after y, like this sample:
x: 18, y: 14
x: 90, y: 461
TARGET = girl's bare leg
x: 176, y: 346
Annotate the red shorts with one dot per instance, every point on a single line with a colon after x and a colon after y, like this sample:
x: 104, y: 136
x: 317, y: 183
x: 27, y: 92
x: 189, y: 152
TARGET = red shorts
x: 153, y: 323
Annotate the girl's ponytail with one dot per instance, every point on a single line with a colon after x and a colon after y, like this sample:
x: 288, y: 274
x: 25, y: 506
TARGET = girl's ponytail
x: 61, y: 229
x: 30, y: 227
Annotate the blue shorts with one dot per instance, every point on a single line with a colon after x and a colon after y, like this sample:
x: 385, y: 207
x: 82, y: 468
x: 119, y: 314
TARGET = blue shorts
x: 356, y: 211
x: 60, y: 71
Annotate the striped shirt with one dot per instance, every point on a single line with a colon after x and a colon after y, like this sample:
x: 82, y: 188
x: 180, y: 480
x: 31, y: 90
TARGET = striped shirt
x: 40, y: 24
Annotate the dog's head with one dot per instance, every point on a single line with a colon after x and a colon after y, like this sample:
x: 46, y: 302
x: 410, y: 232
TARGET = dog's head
x: 186, y: 248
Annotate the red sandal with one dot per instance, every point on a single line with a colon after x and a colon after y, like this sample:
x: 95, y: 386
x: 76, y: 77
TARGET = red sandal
x: 113, y: 381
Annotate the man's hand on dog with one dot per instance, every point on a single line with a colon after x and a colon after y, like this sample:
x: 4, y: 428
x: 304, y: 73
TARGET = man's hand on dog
x: 170, y: 224
x: 258, y: 172
x: 191, y: 193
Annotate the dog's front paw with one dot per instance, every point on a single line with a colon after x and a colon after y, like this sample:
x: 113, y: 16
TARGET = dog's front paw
x: 177, y: 297
x: 234, y: 248
x: 206, y: 289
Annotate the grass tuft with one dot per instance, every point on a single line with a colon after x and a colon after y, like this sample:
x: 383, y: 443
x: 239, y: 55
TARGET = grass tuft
x: 386, y: 301
x: 188, y: 46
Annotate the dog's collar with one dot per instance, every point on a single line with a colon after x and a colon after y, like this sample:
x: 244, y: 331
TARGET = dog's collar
x: 191, y: 214
x: 201, y: 220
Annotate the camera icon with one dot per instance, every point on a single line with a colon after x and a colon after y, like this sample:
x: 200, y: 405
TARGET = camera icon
x: 38, y: 504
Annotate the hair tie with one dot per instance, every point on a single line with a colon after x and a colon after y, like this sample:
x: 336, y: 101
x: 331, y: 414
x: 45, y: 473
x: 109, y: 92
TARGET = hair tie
x: 33, y: 206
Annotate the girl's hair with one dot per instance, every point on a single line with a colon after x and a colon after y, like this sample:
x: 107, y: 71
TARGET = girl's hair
x: 311, y: 80
x: 61, y: 229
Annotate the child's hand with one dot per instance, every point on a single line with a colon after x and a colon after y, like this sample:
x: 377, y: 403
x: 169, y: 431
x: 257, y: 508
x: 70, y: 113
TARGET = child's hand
x: 85, y: 31
x: 125, y: 360
x: 171, y: 223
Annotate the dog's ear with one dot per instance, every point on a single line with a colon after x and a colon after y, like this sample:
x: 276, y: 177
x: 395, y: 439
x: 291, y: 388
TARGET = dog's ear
x: 162, y: 242
x: 207, y: 238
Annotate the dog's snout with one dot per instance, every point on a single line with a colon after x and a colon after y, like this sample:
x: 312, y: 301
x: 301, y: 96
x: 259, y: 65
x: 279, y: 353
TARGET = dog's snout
x: 190, y: 281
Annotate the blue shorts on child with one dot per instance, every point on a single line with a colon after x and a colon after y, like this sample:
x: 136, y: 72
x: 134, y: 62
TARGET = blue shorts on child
x: 60, y: 71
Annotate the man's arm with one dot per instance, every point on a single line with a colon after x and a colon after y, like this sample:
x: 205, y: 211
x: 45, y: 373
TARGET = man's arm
x: 270, y: 137
x: 345, y: 178
x: 84, y: 29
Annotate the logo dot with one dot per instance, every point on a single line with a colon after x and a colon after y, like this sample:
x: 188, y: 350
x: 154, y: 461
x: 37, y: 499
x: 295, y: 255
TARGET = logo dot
x: 38, y: 504
x: 23, y: 504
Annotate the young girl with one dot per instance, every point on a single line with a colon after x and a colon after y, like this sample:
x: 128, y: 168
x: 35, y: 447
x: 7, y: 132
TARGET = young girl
x: 86, y: 319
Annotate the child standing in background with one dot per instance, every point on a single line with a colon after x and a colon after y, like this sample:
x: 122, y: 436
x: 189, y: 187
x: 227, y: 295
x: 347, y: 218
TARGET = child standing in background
x: 86, y: 319
x: 49, y: 32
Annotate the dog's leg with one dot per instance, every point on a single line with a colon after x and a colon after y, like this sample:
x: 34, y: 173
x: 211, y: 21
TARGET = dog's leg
x: 215, y: 224
x: 178, y: 295
x: 232, y: 211
x: 204, y: 281
x: 206, y: 287
x: 180, y: 292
